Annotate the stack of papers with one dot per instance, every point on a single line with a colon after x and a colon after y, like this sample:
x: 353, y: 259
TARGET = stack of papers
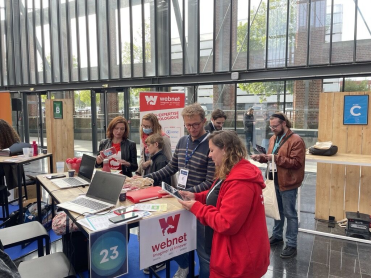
x: 101, y: 222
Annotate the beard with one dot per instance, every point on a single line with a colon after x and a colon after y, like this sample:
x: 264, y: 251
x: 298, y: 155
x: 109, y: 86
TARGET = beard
x: 279, y: 134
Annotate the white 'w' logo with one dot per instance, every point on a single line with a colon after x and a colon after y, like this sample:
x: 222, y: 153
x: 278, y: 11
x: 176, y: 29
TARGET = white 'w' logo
x: 151, y: 100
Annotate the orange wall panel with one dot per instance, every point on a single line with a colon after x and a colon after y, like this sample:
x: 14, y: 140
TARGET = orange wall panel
x: 5, y: 107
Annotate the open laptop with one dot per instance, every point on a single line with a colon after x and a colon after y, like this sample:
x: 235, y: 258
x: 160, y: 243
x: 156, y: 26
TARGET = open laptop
x: 83, y: 178
x: 102, y: 194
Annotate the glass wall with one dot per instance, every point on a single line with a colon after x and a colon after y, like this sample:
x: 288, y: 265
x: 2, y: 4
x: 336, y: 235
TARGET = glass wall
x: 80, y: 40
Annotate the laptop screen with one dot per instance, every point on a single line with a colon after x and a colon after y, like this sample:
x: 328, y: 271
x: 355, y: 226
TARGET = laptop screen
x: 106, y: 186
x: 86, y: 167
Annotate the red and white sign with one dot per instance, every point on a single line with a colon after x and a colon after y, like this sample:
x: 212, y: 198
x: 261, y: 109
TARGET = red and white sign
x: 167, y: 106
x: 166, y: 236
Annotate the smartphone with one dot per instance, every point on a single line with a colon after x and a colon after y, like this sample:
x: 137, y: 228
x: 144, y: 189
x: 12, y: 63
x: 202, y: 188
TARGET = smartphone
x: 123, y: 217
x: 171, y: 190
x: 120, y: 211
x: 56, y: 176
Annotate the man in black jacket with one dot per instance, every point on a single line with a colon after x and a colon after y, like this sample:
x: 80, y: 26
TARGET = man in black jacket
x: 217, y: 121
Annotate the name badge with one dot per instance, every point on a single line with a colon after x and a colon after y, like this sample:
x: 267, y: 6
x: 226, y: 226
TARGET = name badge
x: 272, y: 167
x: 182, y: 179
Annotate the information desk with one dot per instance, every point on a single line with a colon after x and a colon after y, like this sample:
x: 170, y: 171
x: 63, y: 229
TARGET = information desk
x: 19, y: 161
x: 339, y: 159
x: 64, y: 195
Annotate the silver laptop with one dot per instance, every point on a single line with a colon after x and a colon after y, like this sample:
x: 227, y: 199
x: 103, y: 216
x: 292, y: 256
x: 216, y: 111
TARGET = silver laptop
x: 102, y: 194
x: 83, y: 178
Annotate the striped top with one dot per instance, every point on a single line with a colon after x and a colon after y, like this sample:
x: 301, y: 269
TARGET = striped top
x: 201, y: 167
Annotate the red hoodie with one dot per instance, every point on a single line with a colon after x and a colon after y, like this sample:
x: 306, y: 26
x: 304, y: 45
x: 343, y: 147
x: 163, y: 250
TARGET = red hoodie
x: 240, y: 245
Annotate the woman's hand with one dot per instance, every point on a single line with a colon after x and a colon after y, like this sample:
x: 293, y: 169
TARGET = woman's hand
x: 99, y: 158
x: 187, y: 204
x: 187, y: 196
x: 146, y: 164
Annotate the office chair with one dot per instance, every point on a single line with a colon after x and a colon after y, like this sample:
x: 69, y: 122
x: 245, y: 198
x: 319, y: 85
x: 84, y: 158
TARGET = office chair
x: 24, y: 233
x: 52, y: 266
x: 55, y: 265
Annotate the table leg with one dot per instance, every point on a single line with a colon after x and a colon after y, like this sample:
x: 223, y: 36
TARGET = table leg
x: 191, y: 273
x: 38, y: 198
x: 51, y: 164
x: 20, y: 195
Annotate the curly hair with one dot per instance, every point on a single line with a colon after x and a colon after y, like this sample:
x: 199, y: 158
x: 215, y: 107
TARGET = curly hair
x: 8, y: 136
x: 193, y: 110
x: 233, y: 147
x: 157, y: 128
x: 112, y: 125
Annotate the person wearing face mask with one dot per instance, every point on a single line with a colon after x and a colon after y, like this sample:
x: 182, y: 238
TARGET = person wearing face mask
x: 150, y: 125
x: 126, y: 150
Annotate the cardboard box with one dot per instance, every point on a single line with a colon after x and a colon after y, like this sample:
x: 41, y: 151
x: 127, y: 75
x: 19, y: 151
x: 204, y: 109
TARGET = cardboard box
x: 31, y: 191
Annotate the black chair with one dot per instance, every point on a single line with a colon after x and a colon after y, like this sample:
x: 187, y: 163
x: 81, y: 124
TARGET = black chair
x: 25, y: 233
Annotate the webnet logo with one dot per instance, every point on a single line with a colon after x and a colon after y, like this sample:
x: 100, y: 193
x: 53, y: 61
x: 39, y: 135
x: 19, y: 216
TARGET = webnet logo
x: 151, y: 100
x: 170, y: 225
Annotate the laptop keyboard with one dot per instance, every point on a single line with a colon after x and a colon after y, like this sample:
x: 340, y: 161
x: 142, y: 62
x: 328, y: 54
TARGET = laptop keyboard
x: 89, y: 204
x: 73, y: 181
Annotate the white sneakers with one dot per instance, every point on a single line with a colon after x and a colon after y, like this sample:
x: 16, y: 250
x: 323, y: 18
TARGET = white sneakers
x: 181, y: 273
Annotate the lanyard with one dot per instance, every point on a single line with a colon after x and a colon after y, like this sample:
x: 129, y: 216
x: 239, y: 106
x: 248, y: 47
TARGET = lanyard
x: 187, y: 158
x: 277, y: 143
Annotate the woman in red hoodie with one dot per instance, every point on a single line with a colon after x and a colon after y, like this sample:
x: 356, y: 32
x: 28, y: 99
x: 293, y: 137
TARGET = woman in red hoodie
x: 232, y: 211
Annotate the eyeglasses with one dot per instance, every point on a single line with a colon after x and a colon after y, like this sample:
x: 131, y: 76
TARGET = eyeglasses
x: 273, y: 127
x: 146, y: 126
x: 194, y: 125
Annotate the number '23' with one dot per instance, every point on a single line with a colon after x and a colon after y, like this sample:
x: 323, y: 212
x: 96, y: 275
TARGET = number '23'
x: 105, y: 252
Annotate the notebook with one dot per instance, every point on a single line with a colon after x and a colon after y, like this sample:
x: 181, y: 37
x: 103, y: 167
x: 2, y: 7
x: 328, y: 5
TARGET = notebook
x: 83, y: 178
x: 143, y: 195
x: 102, y: 194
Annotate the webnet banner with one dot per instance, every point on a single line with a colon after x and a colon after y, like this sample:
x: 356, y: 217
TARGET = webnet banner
x: 166, y: 236
x: 167, y: 106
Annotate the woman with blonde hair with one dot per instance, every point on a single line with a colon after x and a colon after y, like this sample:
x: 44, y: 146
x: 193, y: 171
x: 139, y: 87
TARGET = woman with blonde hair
x: 150, y: 125
x: 126, y: 150
x: 232, y: 211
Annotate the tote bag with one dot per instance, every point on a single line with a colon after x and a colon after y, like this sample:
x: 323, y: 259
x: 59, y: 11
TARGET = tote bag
x: 269, y: 194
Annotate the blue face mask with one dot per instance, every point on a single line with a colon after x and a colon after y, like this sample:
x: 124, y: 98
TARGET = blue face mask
x: 147, y: 130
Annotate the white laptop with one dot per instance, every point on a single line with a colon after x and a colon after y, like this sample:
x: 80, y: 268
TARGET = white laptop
x: 83, y: 178
x: 102, y: 194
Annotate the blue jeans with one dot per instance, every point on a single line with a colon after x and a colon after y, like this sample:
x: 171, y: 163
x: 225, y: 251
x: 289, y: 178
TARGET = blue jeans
x: 203, y: 257
x: 286, y: 205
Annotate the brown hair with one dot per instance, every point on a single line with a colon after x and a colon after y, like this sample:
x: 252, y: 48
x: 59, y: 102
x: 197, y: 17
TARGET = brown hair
x: 218, y: 113
x: 112, y: 125
x: 193, y: 110
x: 235, y: 150
x: 8, y: 136
x: 157, y: 128
x: 155, y: 138
x: 282, y: 117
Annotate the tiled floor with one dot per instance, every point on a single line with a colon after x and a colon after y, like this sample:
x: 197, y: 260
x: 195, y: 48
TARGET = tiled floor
x: 318, y: 256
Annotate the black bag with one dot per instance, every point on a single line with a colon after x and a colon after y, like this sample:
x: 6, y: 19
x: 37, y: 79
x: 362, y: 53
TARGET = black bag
x: 331, y: 151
